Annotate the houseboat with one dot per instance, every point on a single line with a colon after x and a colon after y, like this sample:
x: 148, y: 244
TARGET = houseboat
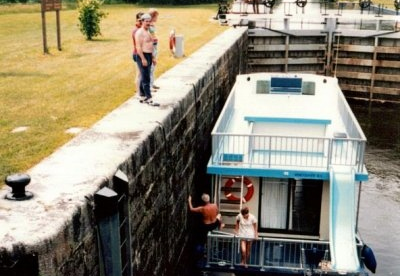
x: 289, y: 148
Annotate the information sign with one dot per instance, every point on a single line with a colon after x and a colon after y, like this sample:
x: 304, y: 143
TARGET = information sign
x: 51, y: 5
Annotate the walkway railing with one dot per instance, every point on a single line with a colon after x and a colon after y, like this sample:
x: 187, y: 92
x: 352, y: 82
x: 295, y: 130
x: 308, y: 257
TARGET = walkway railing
x: 266, y: 151
x: 250, y: 150
x: 223, y: 251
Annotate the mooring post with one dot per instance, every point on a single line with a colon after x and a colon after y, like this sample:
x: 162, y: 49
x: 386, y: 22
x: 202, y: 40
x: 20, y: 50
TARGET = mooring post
x: 17, y: 182
x: 106, y: 211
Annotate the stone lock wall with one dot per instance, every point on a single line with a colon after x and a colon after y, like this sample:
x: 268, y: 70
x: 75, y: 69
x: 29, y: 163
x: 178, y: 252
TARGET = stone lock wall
x: 176, y: 155
x: 163, y: 152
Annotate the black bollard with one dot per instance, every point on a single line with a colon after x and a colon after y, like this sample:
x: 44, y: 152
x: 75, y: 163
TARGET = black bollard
x: 17, y: 182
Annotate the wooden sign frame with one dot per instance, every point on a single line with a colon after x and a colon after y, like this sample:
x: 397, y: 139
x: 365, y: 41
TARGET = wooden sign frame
x: 51, y: 5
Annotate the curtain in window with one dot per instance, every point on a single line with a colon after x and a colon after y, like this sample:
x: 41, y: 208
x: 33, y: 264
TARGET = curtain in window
x: 274, y: 203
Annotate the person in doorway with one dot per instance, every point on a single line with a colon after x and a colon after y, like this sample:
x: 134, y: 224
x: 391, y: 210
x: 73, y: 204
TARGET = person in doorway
x: 243, y: 6
x: 256, y: 7
x: 210, y: 217
x: 145, y: 59
x: 138, y: 25
x: 246, y: 229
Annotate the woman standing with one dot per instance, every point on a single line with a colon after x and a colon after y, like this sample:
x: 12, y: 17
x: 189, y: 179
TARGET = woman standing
x: 154, y: 17
x: 246, y: 228
x: 256, y: 7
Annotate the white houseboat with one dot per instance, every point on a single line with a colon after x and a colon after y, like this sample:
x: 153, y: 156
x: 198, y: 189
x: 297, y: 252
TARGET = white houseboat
x: 290, y: 147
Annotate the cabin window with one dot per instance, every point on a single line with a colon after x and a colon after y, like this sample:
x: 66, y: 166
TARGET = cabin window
x: 290, y: 206
x: 308, y: 88
x: 262, y: 87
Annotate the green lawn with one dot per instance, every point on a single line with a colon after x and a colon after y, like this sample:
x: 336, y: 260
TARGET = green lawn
x: 77, y: 86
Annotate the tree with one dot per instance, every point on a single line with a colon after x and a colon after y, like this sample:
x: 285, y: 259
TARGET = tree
x: 90, y: 16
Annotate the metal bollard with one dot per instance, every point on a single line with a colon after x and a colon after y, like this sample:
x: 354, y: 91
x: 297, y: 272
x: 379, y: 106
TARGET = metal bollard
x: 17, y: 182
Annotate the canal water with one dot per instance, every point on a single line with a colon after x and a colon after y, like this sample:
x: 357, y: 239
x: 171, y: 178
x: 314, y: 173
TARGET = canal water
x: 379, y: 221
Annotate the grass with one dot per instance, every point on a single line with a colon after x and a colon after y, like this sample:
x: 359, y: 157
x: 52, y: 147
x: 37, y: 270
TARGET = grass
x: 77, y: 86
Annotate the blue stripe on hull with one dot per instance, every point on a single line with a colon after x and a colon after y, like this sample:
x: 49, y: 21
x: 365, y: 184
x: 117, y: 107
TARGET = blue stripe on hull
x: 287, y: 120
x: 276, y: 173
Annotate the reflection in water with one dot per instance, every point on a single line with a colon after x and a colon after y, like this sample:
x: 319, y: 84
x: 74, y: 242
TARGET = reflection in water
x: 381, y: 125
x: 379, y: 221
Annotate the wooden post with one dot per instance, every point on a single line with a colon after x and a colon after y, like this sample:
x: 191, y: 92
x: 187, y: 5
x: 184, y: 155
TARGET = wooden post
x: 106, y: 211
x: 58, y: 30
x: 45, y: 49
x: 51, y: 5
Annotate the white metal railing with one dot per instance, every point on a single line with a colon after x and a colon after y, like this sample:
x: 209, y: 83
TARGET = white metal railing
x: 226, y: 114
x: 350, y: 122
x: 288, y: 152
x: 266, y: 151
x: 315, y: 23
x: 270, y: 253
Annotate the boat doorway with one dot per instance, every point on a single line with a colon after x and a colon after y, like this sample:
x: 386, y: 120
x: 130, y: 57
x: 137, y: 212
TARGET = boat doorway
x: 299, y: 204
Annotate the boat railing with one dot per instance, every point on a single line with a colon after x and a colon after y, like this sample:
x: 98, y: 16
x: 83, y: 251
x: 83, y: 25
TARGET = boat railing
x: 226, y: 114
x: 286, y: 152
x: 350, y: 122
x: 387, y: 23
x: 223, y: 251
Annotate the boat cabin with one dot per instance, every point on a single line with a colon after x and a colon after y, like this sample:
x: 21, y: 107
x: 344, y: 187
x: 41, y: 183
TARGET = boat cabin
x: 288, y: 147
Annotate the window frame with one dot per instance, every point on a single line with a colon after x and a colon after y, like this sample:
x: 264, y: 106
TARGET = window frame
x: 291, y: 188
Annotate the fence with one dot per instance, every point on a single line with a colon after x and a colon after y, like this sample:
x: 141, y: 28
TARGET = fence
x: 266, y: 151
x: 223, y: 250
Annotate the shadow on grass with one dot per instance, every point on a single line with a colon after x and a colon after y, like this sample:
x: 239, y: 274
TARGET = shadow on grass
x: 22, y: 74
x: 104, y: 40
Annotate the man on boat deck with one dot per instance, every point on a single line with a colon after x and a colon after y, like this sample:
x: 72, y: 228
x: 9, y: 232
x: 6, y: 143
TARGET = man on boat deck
x: 211, y: 217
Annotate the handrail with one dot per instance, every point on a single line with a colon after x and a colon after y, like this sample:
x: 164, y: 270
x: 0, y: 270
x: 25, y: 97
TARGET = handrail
x: 318, y: 153
x: 270, y: 253
x: 266, y: 151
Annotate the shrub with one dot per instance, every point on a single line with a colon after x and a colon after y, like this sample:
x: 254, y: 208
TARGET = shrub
x: 89, y: 17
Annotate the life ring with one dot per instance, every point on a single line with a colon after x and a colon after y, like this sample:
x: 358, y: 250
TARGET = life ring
x: 269, y: 3
x: 250, y: 188
x: 172, y: 41
x: 301, y: 3
x: 364, y: 4
x: 397, y: 4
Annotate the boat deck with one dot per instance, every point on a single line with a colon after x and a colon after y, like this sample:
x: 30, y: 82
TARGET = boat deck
x: 294, y: 123
x: 269, y: 256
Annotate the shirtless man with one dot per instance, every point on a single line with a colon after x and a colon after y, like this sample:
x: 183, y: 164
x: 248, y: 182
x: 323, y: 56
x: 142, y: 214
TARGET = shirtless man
x: 144, y: 46
x: 211, y: 217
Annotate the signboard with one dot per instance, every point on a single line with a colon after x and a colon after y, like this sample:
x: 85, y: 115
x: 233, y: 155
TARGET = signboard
x: 51, y: 5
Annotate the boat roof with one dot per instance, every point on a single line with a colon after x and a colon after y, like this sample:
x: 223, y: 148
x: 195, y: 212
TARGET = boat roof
x: 297, y: 98
x: 293, y: 97
x: 290, y: 111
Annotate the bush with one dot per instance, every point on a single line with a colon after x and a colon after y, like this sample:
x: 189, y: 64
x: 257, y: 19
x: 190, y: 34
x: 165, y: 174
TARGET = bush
x: 89, y: 17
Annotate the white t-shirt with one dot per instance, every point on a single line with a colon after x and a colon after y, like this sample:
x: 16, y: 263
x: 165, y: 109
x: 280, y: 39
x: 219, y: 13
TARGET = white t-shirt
x: 246, y: 227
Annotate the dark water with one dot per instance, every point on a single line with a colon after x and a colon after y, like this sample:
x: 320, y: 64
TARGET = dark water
x: 379, y: 221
